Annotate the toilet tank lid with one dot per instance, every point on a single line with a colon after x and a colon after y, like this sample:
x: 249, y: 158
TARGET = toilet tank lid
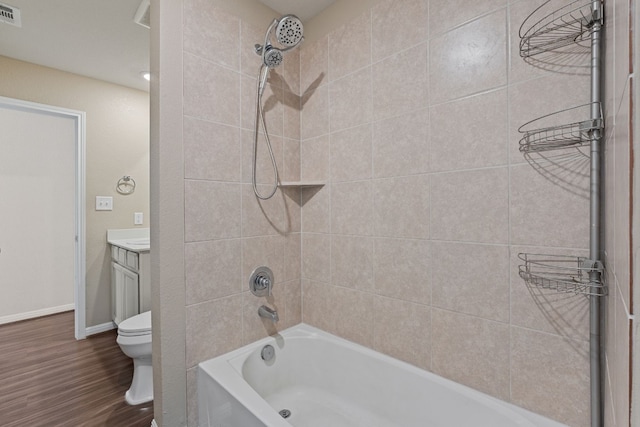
x: 138, y: 323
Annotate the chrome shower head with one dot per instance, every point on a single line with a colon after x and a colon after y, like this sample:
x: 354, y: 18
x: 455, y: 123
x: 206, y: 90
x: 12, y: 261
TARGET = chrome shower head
x: 289, y: 31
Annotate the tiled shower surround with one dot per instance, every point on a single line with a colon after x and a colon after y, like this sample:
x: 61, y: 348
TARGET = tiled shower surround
x: 409, y: 114
x: 619, y: 153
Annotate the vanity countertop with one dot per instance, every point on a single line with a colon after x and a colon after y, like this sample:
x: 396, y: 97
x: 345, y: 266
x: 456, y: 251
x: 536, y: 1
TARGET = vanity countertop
x: 132, y: 239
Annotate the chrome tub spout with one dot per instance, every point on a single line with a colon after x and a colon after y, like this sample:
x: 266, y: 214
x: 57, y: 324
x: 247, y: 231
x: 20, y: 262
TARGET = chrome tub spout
x: 268, y: 313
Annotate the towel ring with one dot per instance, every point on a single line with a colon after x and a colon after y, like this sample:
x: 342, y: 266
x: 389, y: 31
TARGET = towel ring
x: 126, y: 185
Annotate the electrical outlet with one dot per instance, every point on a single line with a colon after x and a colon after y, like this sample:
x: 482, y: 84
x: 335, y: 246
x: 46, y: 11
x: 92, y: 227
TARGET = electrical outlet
x: 104, y: 203
x: 138, y: 218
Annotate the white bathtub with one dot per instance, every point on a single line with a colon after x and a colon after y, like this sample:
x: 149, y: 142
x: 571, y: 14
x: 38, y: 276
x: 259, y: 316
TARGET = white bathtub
x: 326, y: 381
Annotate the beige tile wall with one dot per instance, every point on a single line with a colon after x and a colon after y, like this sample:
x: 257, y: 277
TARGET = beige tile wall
x: 228, y: 232
x: 411, y: 247
x: 410, y: 114
x: 618, y: 202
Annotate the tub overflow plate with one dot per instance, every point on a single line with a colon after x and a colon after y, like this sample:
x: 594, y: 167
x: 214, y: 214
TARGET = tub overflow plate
x: 285, y: 413
x: 267, y: 352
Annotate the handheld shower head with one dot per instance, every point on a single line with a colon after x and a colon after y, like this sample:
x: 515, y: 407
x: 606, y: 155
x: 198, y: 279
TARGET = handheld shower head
x: 289, y: 31
x: 272, y: 57
x: 288, y: 34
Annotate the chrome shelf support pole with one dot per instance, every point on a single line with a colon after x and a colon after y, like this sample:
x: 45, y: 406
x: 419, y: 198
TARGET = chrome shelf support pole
x: 595, y: 349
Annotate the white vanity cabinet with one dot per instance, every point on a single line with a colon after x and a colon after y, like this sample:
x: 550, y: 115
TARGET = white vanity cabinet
x: 125, y: 288
x: 130, y: 271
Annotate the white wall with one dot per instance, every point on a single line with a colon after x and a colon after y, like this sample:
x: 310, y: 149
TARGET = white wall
x: 37, y: 214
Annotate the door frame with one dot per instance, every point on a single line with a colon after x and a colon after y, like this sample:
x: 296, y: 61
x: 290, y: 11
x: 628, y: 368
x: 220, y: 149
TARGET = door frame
x: 79, y: 118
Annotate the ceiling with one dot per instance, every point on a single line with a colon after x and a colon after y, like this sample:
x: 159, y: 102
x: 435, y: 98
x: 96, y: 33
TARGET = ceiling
x: 95, y: 38
x: 98, y: 38
x: 303, y: 9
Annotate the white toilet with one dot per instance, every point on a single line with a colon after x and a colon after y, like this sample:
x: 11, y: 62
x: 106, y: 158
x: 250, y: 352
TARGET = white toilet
x: 134, y: 338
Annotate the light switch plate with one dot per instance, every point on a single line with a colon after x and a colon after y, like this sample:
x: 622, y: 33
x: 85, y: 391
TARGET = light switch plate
x: 104, y: 203
x: 138, y: 218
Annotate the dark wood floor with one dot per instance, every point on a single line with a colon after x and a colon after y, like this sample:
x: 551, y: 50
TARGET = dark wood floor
x: 47, y: 378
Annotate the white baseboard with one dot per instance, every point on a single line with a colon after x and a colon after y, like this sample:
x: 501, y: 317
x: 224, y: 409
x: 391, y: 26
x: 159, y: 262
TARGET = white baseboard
x: 104, y: 327
x: 36, y: 313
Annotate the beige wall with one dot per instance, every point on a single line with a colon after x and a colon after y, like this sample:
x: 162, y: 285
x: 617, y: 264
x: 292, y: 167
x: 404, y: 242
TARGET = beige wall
x: 635, y: 222
x: 619, y: 198
x: 117, y: 142
x: 411, y: 246
x: 167, y: 220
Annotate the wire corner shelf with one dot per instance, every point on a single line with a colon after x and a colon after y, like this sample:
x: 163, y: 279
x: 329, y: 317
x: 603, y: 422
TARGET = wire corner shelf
x: 562, y: 273
x: 558, y: 27
x: 562, y: 129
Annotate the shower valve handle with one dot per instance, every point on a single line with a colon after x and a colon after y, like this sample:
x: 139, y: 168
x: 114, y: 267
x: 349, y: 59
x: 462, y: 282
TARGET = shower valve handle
x: 261, y: 282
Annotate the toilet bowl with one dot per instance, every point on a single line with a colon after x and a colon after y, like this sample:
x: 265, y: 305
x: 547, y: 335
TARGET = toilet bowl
x: 134, y: 339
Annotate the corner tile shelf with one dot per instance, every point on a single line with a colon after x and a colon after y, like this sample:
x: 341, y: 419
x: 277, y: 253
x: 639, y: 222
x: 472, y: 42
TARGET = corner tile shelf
x: 300, y: 184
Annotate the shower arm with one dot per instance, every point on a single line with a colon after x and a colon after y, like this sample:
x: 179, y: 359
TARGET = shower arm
x: 260, y: 49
